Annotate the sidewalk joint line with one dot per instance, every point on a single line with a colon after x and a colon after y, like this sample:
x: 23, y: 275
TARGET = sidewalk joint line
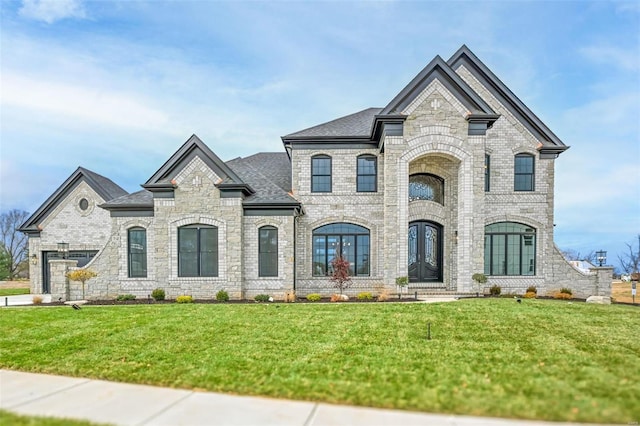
x: 312, y: 415
x: 165, y: 409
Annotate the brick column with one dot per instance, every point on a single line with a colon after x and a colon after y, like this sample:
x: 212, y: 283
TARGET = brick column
x: 59, y: 283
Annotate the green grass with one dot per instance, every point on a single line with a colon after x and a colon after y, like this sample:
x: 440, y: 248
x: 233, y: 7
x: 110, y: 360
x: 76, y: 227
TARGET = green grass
x: 7, y: 418
x: 13, y: 291
x: 546, y: 360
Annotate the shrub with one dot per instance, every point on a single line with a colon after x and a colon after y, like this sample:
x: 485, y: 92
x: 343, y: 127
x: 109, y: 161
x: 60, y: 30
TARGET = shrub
x: 479, y: 278
x: 222, y: 296
x: 290, y: 297
x: 383, y: 296
x: 262, y: 298
x: 158, y: 294
x: 495, y: 290
x: 532, y: 289
x: 123, y: 297
x: 530, y: 295
x: 365, y: 295
x: 37, y: 300
x: 314, y: 297
x: 562, y: 296
x: 336, y: 298
x: 566, y: 290
x: 184, y: 299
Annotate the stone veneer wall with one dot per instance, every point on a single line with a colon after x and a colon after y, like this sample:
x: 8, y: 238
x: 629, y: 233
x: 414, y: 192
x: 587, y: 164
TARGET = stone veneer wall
x: 277, y: 287
x: 83, y: 230
x: 343, y: 204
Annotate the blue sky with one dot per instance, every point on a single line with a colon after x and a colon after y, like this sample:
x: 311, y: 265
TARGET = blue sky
x: 117, y: 87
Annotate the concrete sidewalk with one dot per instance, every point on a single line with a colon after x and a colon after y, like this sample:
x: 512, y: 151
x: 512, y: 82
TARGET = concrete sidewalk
x: 22, y: 299
x: 127, y: 404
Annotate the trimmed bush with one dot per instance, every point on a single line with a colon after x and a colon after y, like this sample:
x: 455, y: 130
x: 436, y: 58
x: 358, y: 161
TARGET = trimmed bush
x: 495, y: 290
x: 532, y: 289
x: 125, y: 297
x: 158, y: 294
x: 566, y: 290
x: 222, y: 296
x: 184, y: 299
x: 314, y: 297
x: 262, y: 298
x: 530, y: 295
x: 365, y: 295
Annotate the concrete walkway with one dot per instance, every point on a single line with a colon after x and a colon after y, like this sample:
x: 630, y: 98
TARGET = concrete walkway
x: 126, y: 404
x: 22, y: 299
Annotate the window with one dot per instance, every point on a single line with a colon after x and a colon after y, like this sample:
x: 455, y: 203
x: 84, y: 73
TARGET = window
x: 321, y: 173
x: 198, y: 251
x: 268, y: 251
x: 523, y: 172
x: 367, y: 174
x: 351, y: 241
x: 426, y: 187
x: 137, y: 249
x: 487, y: 172
x: 83, y: 204
x: 509, y: 249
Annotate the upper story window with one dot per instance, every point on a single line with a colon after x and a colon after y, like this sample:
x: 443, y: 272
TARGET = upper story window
x: 509, y: 249
x: 137, y: 252
x: 367, y: 174
x: 321, y: 173
x: 487, y: 172
x: 426, y: 187
x: 341, y: 239
x: 523, y: 179
x: 268, y: 251
x: 198, y: 251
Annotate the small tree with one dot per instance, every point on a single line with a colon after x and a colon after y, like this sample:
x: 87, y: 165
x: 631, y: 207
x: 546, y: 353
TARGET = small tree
x: 340, y: 275
x: 402, y: 282
x: 81, y: 275
x: 480, y: 280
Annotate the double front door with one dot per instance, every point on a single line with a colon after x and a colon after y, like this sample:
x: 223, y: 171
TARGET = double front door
x: 425, y: 252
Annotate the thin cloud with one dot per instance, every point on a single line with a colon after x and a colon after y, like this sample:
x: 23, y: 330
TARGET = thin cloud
x: 615, y: 56
x: 51, y: 11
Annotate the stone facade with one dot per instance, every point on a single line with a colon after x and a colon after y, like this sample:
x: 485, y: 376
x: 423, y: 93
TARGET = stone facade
x: 443, y: 124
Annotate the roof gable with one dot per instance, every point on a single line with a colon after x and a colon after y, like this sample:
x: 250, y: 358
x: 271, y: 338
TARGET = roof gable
x: 440, y: 70
x: 552, y: 145
x: 194, y: 147
x: 103, y: 186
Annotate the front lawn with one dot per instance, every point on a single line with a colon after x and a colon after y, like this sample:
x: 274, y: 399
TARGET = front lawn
x: 546, y: 360
x: 13, y: 291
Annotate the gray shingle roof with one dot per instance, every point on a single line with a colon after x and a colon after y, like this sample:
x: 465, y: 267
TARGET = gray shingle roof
x: 356, y: 125
x: 269, y: 174
x: 141, y: 199
x: 110, y: 190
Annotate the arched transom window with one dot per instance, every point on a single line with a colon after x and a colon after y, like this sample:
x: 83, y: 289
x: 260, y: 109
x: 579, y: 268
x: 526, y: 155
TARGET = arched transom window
x: 426, y: 186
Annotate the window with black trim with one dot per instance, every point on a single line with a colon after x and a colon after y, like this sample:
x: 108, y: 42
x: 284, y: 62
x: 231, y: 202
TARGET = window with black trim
x: 345, y: 239
x: 321, y: 173
x: 268, y: 251
x: 425, y: 186
x: 487, y: 172
x: 367, y: 178
x: 509, y: 249
x: 523, y: 179
x: 137, y: 252
x: 198, y: 251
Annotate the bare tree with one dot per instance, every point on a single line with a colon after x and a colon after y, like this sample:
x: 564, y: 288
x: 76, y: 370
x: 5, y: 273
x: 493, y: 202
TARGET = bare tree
x: 571, y: 254
x: 630, y: 262
x: 13, y: 243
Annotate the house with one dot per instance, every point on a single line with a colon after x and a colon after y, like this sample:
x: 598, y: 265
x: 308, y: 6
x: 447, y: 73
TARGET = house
x: 454, y: 176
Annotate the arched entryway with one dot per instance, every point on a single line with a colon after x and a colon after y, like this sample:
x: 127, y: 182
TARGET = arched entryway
x: 425, y: 252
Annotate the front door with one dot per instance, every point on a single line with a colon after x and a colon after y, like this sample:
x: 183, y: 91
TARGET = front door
x: 425, y: 252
